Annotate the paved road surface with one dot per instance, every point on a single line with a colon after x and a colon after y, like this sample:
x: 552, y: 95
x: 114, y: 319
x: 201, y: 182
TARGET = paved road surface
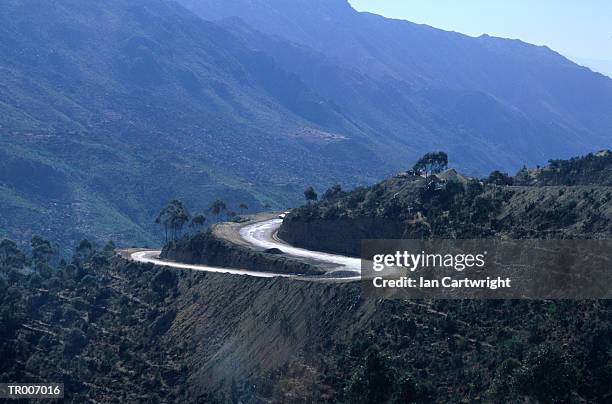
x: 262, y: 234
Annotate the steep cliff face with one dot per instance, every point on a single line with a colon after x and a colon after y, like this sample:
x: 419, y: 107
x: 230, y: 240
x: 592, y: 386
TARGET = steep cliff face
x: 263, y: 335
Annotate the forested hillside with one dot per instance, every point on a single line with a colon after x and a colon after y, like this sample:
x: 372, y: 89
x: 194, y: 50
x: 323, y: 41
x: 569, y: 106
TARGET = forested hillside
x: 565, y: 199
x: 112, y: 330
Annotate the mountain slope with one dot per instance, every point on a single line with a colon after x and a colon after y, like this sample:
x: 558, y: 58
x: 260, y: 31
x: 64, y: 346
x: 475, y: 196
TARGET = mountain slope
x: 122, y: 105
x: 521, y: 101
x: 109, y: 109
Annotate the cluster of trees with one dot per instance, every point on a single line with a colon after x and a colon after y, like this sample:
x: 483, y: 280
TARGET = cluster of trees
x: 86, y: 321
x: 541, y: 351
x: 310, y: 194
x: 174, y: 216
x: 377, y: 380
x: 333, y: 192
x: 592, y: 169
x: 43, y: 253
x: 460, y: 208
x: 10, y: 255
x: 430, y: 163
x: 499, y: 178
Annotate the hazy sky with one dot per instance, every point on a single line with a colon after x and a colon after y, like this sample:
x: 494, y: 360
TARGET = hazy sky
x: 578, y: 29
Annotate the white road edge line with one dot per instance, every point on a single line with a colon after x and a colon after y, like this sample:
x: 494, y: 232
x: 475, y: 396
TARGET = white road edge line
x: 260, y: 234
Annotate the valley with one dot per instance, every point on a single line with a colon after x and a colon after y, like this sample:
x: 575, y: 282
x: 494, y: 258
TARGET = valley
x: 233, y: 102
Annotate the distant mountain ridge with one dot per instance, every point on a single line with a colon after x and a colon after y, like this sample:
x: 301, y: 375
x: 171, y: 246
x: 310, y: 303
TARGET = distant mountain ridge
x: 446, y: 76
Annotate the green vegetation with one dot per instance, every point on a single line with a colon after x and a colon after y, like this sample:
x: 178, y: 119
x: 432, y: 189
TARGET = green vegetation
x: 505, y: 351
x: 450, y: 205
x: 310, y: 194
x: 432, y: 163
x: 10, y: 255
x: 335, y: 191
x: 157, y: 334
x: 499, y: 178
x: 42, y: 253
x: 376, y: 380
x: 198, y: 221
x: 173, y: 217
x: 93, y: 323
x: 243, y: 208
x: 217, y: 207
x: 360, y: 350
x: 592, y: 169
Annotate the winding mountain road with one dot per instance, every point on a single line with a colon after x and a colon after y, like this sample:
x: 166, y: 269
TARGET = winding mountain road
x: 262, y: 235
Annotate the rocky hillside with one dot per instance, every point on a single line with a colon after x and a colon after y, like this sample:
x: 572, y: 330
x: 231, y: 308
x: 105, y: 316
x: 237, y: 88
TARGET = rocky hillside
x: 110, y: 109
x: 566, y: 199
x: 592, y: 169
x: 112, y: 330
